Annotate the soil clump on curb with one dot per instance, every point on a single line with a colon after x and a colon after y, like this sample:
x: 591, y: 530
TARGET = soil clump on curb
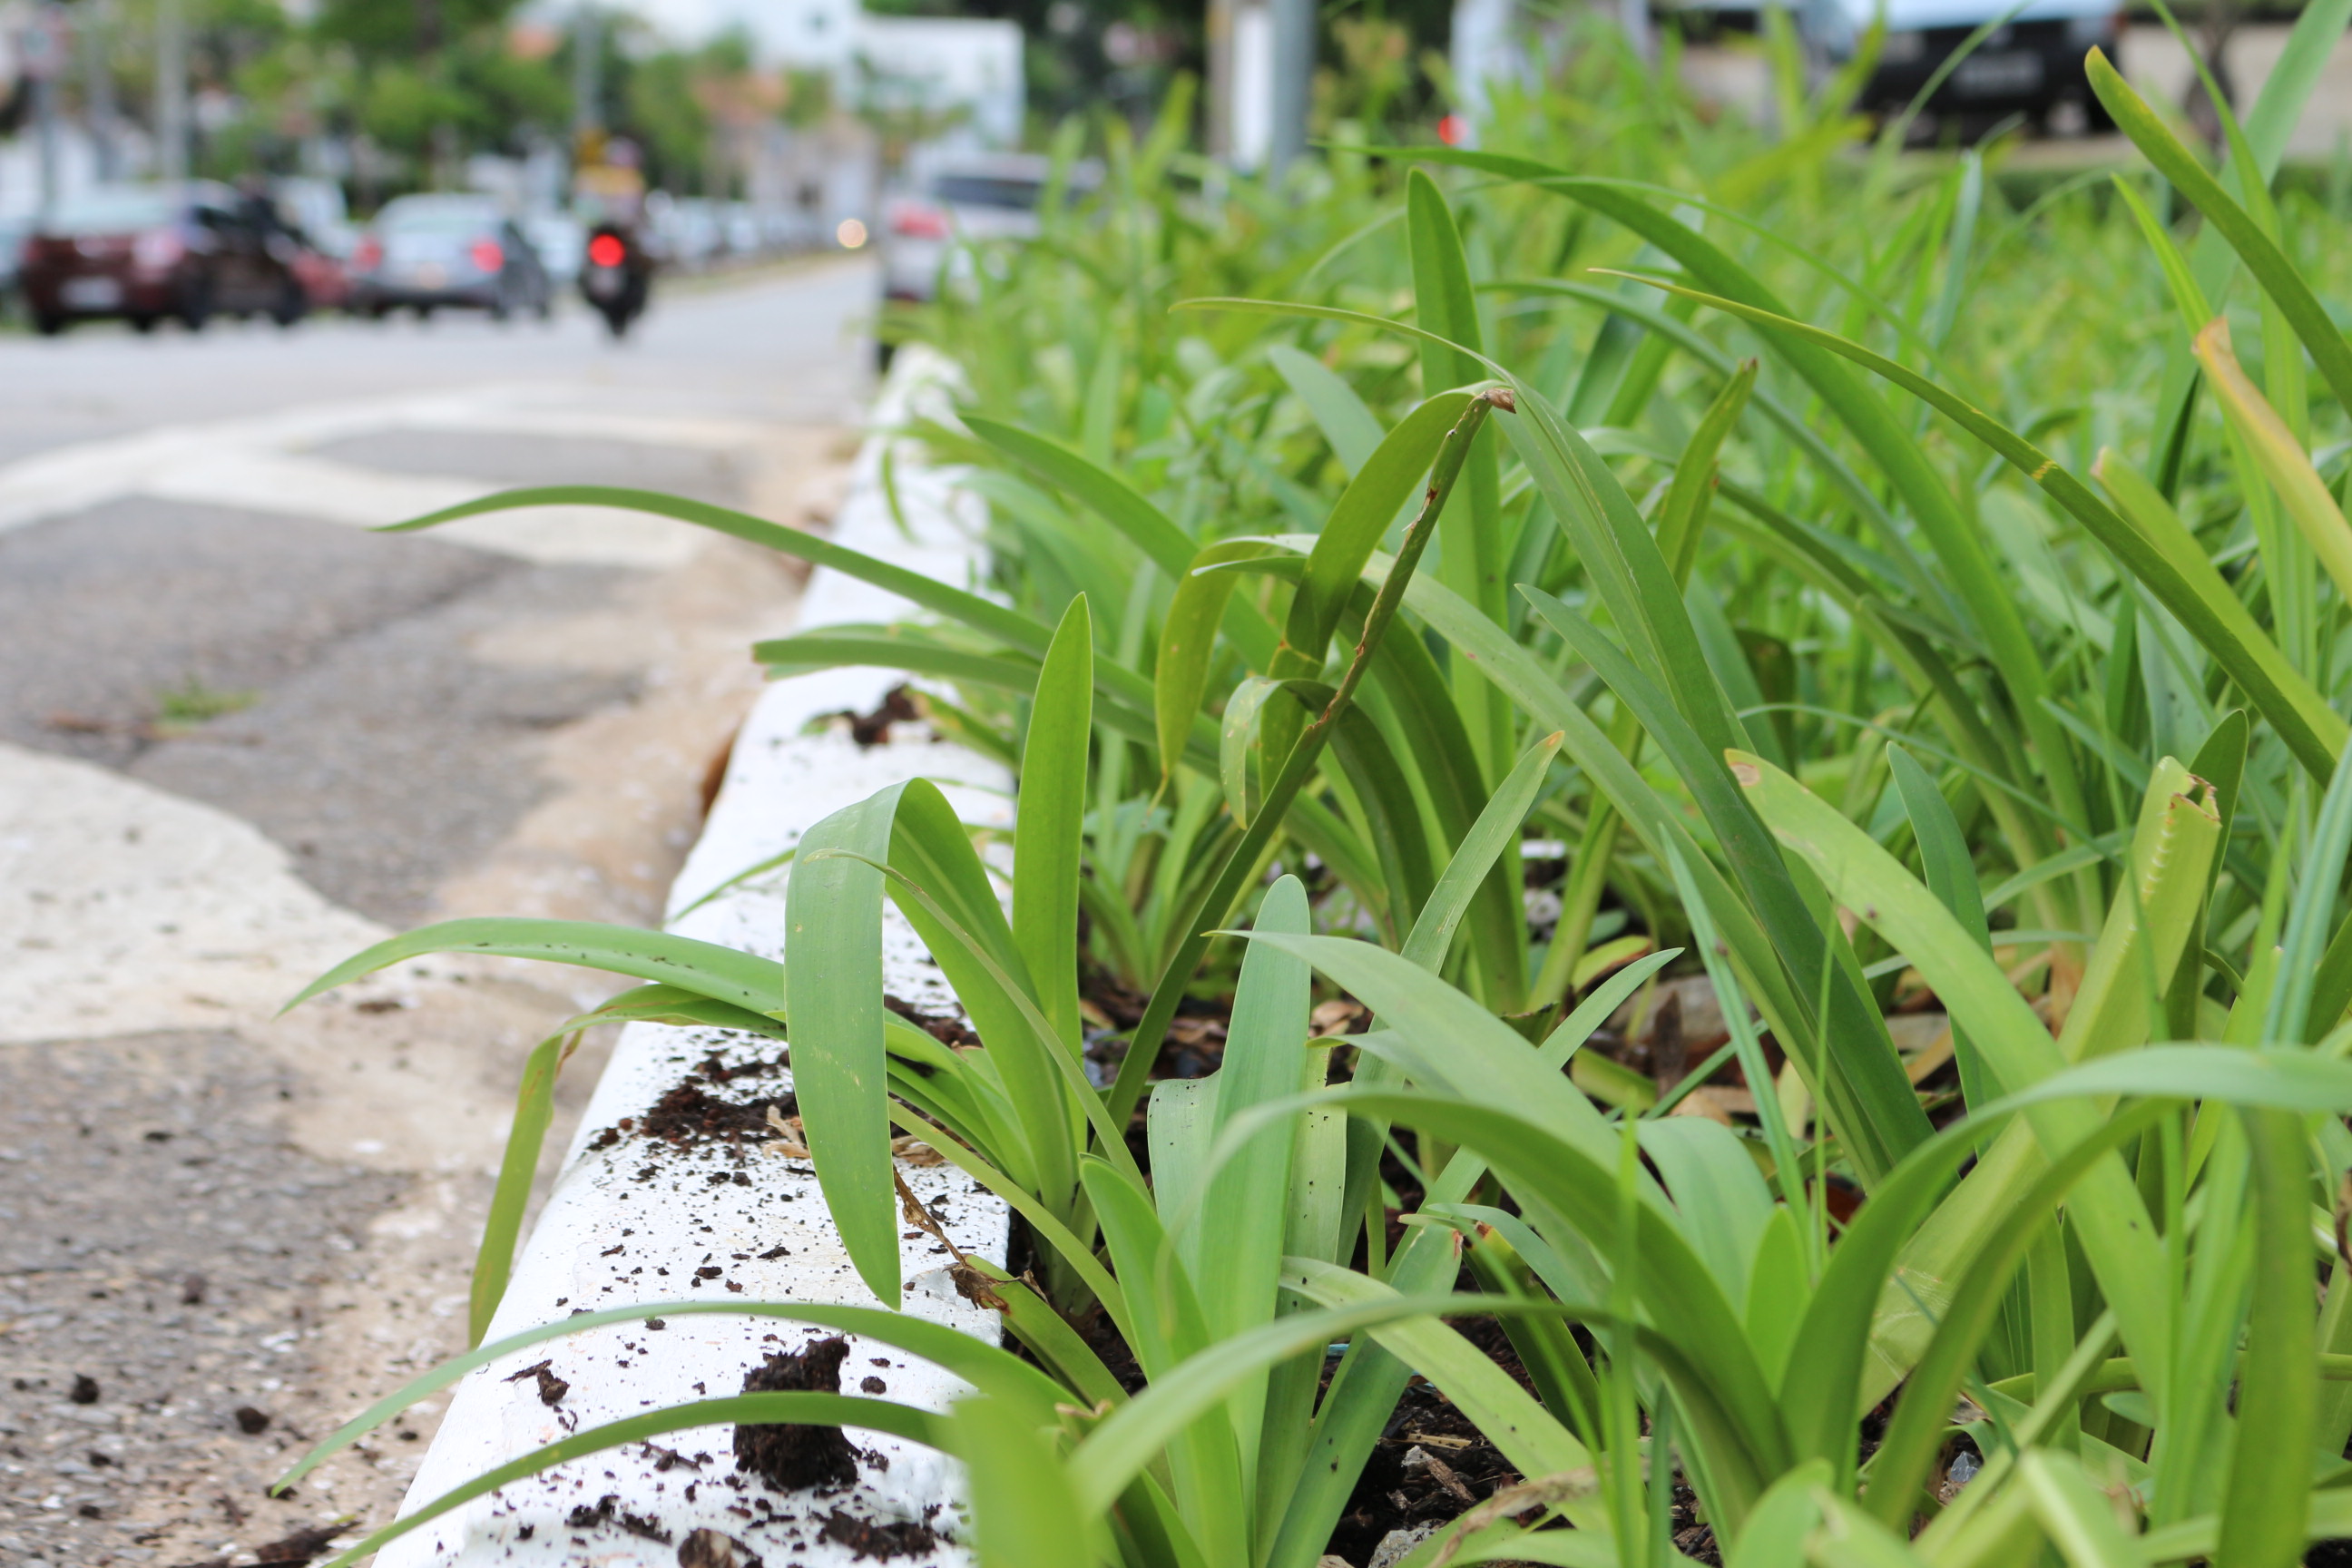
x: 790, y: 1457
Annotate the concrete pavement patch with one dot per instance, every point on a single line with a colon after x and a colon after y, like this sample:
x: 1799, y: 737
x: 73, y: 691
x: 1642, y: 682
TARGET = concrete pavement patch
x: 124, y: 909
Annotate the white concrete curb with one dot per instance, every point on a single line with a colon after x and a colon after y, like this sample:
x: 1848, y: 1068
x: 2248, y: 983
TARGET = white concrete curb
x: 634, y: 1219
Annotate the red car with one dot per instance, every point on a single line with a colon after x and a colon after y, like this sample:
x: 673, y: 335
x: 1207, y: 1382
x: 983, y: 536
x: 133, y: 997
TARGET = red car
x: 144, y: 252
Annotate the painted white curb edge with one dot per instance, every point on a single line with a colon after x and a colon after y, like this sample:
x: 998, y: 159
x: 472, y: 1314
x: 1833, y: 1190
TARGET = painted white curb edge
x: 634, y: 1220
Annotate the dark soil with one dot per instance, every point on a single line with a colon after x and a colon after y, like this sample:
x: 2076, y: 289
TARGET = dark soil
x: 1431, y: 1464
x: 304, y: 1545
x: 551, y: 1388
x: 865, y: 1538
x: 902, y: 704
x: 689, y: 1115
x: 1195, y: 1045
x: 948, y: 1028
x: 607, y: 1510
x: 790, y: 1457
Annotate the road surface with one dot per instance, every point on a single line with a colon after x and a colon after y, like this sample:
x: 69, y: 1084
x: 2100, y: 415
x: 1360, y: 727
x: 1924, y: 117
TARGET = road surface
x: 241, y: 737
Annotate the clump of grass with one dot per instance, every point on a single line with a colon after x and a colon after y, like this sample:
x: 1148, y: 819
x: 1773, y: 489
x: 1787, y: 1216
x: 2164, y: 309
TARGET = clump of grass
x: 194, y: 703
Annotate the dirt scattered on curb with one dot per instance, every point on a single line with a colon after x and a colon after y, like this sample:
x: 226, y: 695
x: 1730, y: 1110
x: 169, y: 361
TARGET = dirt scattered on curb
x: 867, y: 1538
x: 607, y: 1510
x: 689, y: 1115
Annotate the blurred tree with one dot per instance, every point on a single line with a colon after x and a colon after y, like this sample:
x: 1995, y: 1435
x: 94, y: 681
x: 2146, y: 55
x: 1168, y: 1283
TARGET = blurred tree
x: 383, y: 30
x: 436, y: 79
x: 685, y: 106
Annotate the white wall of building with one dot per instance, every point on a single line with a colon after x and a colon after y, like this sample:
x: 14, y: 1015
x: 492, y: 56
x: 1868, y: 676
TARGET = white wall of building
x: 939, y: 63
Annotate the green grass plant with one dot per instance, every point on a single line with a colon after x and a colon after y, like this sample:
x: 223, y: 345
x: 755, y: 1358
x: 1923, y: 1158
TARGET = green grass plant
x: 1879, y: 587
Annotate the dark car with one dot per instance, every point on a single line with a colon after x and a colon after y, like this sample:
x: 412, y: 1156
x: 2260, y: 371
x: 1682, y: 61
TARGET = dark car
x: 2029, y: 63
x: 424, y: 252
x: 144, y: 252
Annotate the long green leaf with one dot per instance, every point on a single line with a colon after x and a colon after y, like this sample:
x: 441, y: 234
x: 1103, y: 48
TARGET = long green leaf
x: 1120, y: 504
x: 2272, y: 269
x: 1188, y: 642
x: 720, y: 972
x: 2115, y: 1232
x: 1024, y: 1510
x: 913, y: 586
x: 534, y: 1108
x: 833, y: 970
x: 1050, y: 826
x: 2306, y: 729
x: 1351, y: 429
x: 1383, y: 484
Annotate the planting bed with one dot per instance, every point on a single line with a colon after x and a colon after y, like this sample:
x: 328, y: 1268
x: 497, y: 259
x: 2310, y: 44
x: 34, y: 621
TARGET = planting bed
x: 1604, y: 872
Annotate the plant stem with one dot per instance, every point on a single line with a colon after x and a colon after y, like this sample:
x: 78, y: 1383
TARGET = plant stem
x: 1216, y: 905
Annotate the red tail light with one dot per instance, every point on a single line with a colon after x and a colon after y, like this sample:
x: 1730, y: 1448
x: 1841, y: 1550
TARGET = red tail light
x: 368, y: 254
x: 914, y: 220
x: 606, y: 250
x: 487, y: 256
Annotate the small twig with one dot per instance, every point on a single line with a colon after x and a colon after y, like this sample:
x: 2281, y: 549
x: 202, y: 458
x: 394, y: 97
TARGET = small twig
x: 1544, y: 1491
x: 924, y: 1220
x: 1200, y: 920
x: 788, y: 1140
x: 1446, y: 1478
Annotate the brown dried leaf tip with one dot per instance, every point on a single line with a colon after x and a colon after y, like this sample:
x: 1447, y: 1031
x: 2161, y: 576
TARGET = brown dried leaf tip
x: 790, y: 1457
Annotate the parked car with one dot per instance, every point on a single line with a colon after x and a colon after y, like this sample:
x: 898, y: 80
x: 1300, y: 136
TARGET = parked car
x: 963, y: 197
x: 2029, y: 64
x: 958, y: 199
x: 144, y: 252
x: 325, y: 278
x: 425, y: 252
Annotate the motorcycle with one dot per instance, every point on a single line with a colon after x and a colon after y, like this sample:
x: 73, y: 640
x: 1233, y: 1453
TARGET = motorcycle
x: 617, y: 276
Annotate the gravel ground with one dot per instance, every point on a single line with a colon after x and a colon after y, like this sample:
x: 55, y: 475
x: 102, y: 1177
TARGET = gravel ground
x: 163, y: 1359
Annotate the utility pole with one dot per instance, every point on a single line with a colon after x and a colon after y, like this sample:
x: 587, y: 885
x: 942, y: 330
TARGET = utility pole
x: 1221, y: 79
x: 172, y: 88
x: 98, y: 89
x: 1293, y: 81
x: 43, y: 44
x: 586, y: 74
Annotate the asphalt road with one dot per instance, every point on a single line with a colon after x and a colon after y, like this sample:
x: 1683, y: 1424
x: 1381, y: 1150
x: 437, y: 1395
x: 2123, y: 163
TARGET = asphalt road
x: 240, y: 737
